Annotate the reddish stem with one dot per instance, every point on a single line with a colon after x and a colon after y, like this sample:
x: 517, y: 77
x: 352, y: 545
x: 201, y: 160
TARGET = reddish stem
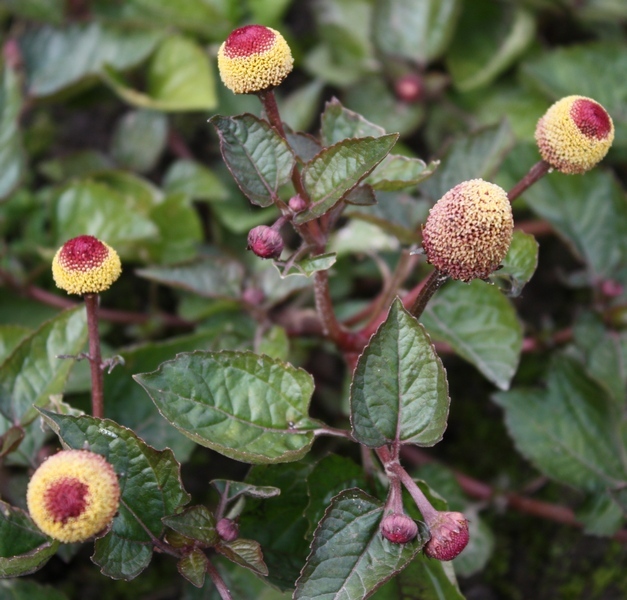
x: 95, y: 359
x: 538, y: 171
x: 223, y: 590
x: 434, y: 282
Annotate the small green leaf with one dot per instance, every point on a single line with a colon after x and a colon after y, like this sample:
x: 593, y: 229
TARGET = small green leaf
x: 419, y: 32
x: 248, y: 407
x: 194, y: 180
x: 23, y: 548
x: 308, y: 266
x: 246, y: 553
x: 193, y: 566
x: 235, y: 489
x: 398, y: 172
x: 519, y: 265
x: 399, y: 390
x: 349, y: 558
x: 475, y: 59
x: 11, y: 154
x: 150, y: 487
x: 601, y: 515
x: 34, y: 371
x: 196, y: 523
x: 491, y: 340
x: 330, y: 175
x: 340, y: 123
x: 362, y: 195
x: 568, y: 430
x: 257, y: 156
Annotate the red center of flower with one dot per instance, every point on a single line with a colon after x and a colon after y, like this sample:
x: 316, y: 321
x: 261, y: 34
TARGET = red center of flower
x: 66, y: 498
x: 591, y: 118
x: 249, y: 40
x: 83, y: 253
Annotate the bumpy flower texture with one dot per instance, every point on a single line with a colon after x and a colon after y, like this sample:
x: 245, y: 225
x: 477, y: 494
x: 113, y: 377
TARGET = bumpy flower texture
x: 85, y: 265
x: 469, y: 230
x: 254, y: 58
x: 73, y: 495
x: 574, y: 134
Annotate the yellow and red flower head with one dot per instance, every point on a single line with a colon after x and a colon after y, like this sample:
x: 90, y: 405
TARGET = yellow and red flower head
x: 73, y: 495
x: 254, y: 58
x: 574, y: 134
x: 85, y: 265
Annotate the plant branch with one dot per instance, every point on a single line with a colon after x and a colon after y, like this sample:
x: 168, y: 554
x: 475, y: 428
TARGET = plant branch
x: 433, y: 283
x: 95, y: 358
x: 538, y: 171
x: 223, y: 590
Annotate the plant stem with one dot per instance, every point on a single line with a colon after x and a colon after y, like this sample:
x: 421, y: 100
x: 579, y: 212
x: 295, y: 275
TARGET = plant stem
x: 430, y: 287
x: 268, y: 100
x: 539, y: 170
x: 224, y: 592
x: 423, y: 504
x: 95, y: 359
x: 331, y: 327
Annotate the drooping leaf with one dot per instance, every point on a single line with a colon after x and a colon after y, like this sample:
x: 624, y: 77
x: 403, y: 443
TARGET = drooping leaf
x: 519, y: 264
x: 235, y: 489
x: 491, y: 340
x: 568, y: 430
x: 399, y: 390
x: 23, y: 548
x: 34, y: 371
x: 349, y: 557
x: 246, y: 553
x: 150, y: 487
x: 248, y: 407
x: 417, y: 31
x: 338, y: 169
x: 257, y: 156
x: 11, y: 153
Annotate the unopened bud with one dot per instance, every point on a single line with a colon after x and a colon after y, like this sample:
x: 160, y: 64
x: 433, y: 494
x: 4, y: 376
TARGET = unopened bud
x: 227, y: 529
x: 297, y: 203
x: 253, y: 296
x: 409, y: 88
x: 449, y: 536
x: 398, y: 528
x: 265, y: 242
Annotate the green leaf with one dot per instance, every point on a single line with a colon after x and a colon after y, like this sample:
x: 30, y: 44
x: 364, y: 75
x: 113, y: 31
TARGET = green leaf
x: 248, y: 407
x: 419, y: 32
x: 257, y: 156
x: 518, y: 266
x: 491, y: 340
x: 150, y: 487
x: 24, y: 589
x: 193, y: 566
x: 58, y: 58
x: 196, y: 523
x: 334, y: 172
x: 139, y: 139
x: 301, y: 106
x: 214, y: 277
x: 234, y: 489
x: 10, y: 337
x: 349, y: 557
x: 362, y: 195
x: 23, y: 548
x: 33, y: 372
x: 308, y: 266
x: 569, y: 430
x: 476, y: 155
x: 11, y: 154
x: 274, y: 343
x: 398, y: 172
x: 475, y: 59
x: 246, y: 553
x: 339, y: 123
x: 194, y: 180
x: 399, y: 390
x: 52, y: 11
x: 77, y: 165
x: 600, y: 515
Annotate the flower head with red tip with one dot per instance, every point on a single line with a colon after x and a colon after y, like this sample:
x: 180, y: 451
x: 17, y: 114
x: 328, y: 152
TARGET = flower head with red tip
x: 449, y: 535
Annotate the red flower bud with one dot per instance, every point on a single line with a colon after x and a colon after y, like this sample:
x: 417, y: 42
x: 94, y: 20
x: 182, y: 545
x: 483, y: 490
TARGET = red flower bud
x: 297, y: 203
x: 398, y: 528
x: 409, y: 88
x: 449, y: 536
x: 227, y: 529
x: 265, y: 242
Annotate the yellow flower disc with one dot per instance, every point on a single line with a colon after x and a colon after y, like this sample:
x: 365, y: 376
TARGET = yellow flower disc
x: 574, y: 134
x: 85, y: 265
x: 73, y: 495
x: 254, y: 58
x: 469, y: 230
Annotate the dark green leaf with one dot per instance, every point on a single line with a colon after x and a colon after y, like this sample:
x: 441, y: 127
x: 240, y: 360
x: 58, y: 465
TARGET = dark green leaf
x: 246, y: 553
x: 349, y: 557
x: 150, y: 487
x: 304, y: 145
x: 476, y: 155
x: 235, y: 489
x: 397, y: 172
x: 248, y: 407
x: 568, y: 430
x: 491, y: 340
x: 24, y: 589
x: 193, y: 566
x: 33, y: 371
x: 362, y: 195
x: 58, y: 58
x: 23, y: 548
x: 399, y: 390
x: 419, y: 32
x: 518, y: 266
x: 338, y: 169
x: 339, y: 123
x: 194, y: 180
x: 52, y: 11
x: 257, y: 156
x: 11, y: 153
x: 475, y: 59
x: 196, y: 523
